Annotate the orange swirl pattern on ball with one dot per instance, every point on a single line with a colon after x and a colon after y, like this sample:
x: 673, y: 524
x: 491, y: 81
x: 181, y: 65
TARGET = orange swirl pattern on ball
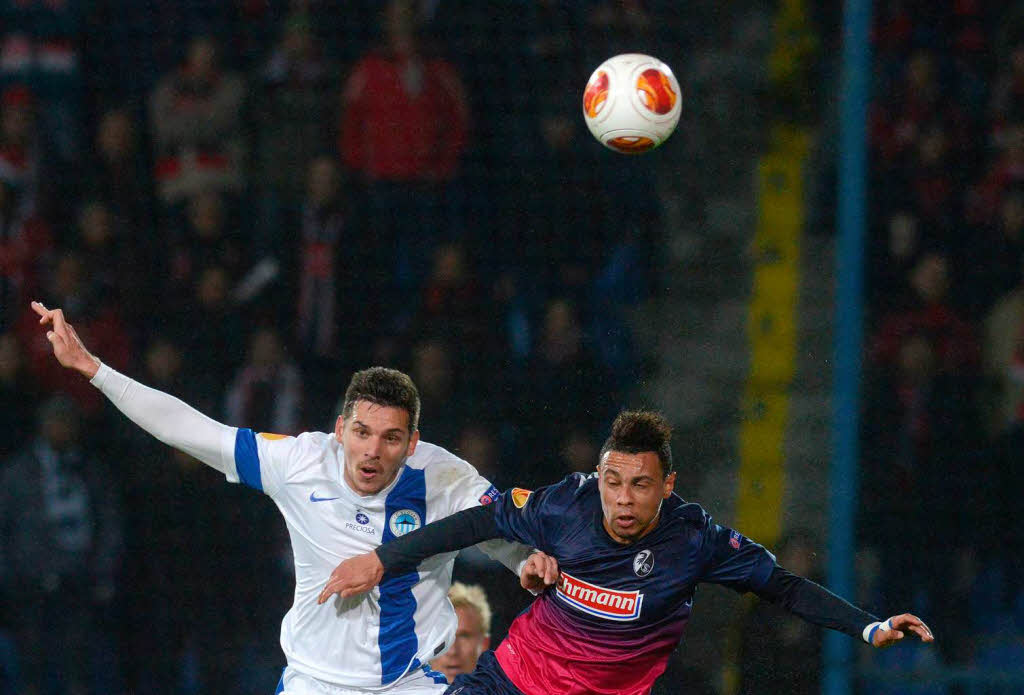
x: 655, y: 91
x: 631, y: 144
x: 596, y: 94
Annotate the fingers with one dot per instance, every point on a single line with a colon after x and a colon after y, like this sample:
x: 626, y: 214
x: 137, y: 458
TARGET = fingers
x: 910, y: 622
x: 550, y: 570
x: 43, y: 312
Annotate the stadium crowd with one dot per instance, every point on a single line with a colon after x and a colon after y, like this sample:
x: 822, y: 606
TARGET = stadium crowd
x: 942, y: 402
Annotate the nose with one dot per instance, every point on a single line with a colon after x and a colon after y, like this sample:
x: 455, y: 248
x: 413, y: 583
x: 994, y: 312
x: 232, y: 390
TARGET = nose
x: 373, y: 447
x: 625, y: 497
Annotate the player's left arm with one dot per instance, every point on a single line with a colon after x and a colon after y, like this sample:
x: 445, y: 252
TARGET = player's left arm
x: 735, y: 561
x: 816, y: 604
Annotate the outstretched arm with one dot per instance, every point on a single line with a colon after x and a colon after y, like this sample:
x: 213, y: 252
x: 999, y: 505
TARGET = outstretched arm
x: 162, y: 415
x: 816, y: 604
x: 358, y: 575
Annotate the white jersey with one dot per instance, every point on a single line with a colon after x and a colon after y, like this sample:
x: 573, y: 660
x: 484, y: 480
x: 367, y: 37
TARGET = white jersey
x: 368, y: 641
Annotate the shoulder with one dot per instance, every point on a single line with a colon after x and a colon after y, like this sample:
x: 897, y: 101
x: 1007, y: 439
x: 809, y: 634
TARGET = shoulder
x: 688, y: 516
x: 308, y: 448
x: 438, y: 464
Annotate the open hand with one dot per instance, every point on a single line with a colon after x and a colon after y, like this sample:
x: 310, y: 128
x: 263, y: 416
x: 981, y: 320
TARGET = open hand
x: 354, y: 576
x: 67, y: 346
x: 899, y: 626
x: 539, y: 572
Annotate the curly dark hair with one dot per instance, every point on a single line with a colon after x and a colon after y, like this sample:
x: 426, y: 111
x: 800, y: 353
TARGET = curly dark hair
x: 636, y: 431
x: 383, y: 386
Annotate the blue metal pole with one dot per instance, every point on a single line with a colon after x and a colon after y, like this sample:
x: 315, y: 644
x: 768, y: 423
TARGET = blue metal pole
x: 851, y: 222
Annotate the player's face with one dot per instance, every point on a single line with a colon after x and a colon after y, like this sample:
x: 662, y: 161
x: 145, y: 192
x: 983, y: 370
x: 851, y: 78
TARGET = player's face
x: 377, y: 441
x: 632, y: 487
x: 470, y: 643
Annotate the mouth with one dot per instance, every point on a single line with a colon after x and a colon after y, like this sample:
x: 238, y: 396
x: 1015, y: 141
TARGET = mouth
x: 626, y: 521
x: 367, y: 473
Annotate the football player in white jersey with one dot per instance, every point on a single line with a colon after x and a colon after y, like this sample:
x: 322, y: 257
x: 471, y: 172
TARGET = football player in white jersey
x: 341, y: 494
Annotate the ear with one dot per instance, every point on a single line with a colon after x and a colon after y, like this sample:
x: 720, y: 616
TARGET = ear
x: 670, y: 483
x: 413, y: 441
x: 339, y: 427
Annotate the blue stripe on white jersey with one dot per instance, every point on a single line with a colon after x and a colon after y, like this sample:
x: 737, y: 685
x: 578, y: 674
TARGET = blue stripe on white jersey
x: 247, y: 459
x: 397, y: 635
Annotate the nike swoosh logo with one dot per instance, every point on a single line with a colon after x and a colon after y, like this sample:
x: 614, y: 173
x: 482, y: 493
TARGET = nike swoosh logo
x: 314, y: 498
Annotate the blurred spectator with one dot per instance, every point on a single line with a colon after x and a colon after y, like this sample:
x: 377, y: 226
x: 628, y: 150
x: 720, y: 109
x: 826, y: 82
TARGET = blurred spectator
x: 445, y: 403
x: 777, y: 646
x: 565, y: 388
x: 196, y: 119
x: 1005, y: 172
x: 40, y: 47
x: 18, y: 396
x: 297, y: 105
x: 25, y: 246
x: 325, y: 272
x: 266, y: 394
x: 991, y: 261
x: 929, y: 313
x: 477, y: 444
x: 120, y: 261
x: 1004, y: 359
x: 892, y: 256
x: 452, y: 301
x: 919, y: 425
x: 119, y: 174
x: 61, y: 545
x: 898, y: 120
x: 207, y: 237
x: 403, y: 130
x: 21, y: 157
x: 211, y: 332
x: 473, y: 634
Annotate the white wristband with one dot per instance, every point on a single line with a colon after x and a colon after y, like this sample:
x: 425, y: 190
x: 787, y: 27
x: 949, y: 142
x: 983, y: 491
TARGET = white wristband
x: 869, y: 631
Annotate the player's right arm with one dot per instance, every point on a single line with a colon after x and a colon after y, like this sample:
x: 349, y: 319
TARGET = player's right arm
x: 162, y: 415
x: 510, y: 517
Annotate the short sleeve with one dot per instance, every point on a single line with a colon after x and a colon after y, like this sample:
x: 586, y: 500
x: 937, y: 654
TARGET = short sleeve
x: 262, y: 459
x: 530, y: 517
x: 733, y: 560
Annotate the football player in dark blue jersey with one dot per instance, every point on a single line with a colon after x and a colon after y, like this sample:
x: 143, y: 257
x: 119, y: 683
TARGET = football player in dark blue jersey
x: 631, y: 553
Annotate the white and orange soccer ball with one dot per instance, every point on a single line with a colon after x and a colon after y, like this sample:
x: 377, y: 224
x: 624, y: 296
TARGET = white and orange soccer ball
x: 632, y: 103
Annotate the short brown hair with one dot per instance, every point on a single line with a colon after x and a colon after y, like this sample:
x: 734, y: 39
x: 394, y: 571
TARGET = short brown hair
x: 636, y: 431
x: 383, y: 386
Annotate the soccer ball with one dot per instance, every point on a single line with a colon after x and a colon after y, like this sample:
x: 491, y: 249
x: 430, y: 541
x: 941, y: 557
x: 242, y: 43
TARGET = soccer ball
x: 632, y: 103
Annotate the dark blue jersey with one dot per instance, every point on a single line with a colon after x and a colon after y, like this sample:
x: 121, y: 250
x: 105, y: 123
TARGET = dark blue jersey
x: 618, y: 610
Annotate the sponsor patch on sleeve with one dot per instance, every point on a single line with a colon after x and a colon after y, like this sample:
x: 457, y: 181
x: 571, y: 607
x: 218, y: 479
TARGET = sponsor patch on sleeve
x: 519, y: 496
x: 734, y: 539
x: 489, y: 496
x: 271, y: 436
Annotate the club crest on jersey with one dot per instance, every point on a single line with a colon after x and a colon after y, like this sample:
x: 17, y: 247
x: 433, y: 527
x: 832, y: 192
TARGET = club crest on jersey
x: 643, y: 563
x: 519, y: 496
x: 597, y: 600
x: 404, y: 521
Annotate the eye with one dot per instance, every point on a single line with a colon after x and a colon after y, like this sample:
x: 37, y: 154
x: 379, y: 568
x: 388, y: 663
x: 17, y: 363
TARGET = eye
x: 393, y: 439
